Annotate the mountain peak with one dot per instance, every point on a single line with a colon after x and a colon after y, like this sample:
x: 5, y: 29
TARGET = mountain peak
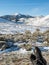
x: 17, y: 14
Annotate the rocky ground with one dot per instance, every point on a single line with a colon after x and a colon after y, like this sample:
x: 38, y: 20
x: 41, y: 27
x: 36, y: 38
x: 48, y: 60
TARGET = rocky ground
x: 17, y: 58
x: 7, y: 40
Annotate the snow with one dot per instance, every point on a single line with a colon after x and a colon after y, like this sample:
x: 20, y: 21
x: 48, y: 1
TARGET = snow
x: 3, y: 20
x: 23, y: 51
x: 46, y: 48
x: 17, y: 14
x: 9, y: 27
x: 45, y: 18
x: 37, y: 21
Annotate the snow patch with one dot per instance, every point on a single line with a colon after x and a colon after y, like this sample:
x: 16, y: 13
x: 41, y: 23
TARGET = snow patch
x: 22, y: 51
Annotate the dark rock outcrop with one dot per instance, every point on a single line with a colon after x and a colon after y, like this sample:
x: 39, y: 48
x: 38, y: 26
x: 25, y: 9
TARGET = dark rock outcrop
x: 37, y: 58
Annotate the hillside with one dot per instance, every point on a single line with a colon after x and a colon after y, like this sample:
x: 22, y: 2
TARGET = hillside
x: 28, y: 20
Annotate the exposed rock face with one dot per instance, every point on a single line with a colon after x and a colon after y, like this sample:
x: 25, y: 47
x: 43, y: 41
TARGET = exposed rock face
x: 2, y: 43
x: 3, y: 47
x: 37, y: 59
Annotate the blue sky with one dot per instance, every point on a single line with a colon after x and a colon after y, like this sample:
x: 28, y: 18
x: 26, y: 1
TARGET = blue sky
x: 31, y: 7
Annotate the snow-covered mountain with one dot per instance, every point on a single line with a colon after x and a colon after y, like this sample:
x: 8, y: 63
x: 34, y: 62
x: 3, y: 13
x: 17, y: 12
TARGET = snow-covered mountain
x: 11, y: 24
x: 16, y: 17
x: 9, y: 27
x: 28, y: 20
x: 6, y: 27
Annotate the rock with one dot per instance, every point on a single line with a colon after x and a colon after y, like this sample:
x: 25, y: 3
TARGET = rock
x: 3, y: 47
x: 2, y: 43
x: 9, y: 42
x: 37, y: 58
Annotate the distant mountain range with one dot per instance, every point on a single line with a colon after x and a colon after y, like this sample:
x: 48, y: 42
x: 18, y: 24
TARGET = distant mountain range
x: 28, y: 20
x: 16, y: 17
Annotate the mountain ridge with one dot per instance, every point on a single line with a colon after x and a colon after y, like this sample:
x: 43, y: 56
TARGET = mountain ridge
x: 28, y: 20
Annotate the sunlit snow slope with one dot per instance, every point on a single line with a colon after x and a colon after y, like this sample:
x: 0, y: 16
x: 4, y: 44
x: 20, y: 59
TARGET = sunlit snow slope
x: 6, y: 27
x: 9, y: 27
x: 44, y: 21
